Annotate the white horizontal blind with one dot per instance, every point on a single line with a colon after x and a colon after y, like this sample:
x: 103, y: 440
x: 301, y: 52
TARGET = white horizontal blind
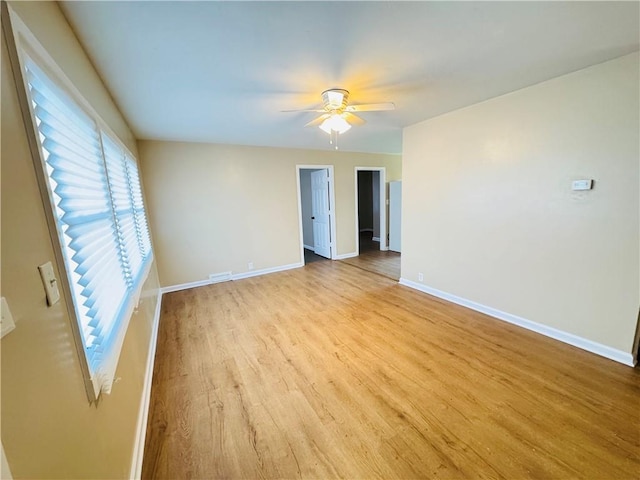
x: 121, y: 198
x: 96, y: 213
x: 142, y: 228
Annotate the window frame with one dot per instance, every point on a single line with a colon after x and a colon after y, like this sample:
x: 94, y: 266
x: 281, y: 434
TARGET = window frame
x: 21, y: 43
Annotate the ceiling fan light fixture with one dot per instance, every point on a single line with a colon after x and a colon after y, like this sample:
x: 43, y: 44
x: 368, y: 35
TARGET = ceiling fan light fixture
x: 337, y: 116
x: 335, y: 123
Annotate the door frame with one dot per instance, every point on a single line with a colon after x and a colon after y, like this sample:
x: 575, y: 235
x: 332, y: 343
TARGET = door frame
x: 384, y: 243
x: 332, y: 208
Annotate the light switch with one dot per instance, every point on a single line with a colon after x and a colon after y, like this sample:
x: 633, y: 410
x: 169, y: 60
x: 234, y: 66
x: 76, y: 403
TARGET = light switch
x: 7, y: 319
x: 50, y: 283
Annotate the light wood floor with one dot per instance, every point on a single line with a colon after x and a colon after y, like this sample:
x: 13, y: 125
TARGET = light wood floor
x: 374, y: 260
x: 381, y: 262
x: 328, y: 371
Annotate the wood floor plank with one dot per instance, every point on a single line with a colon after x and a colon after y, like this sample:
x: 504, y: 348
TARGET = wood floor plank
x: 329, y: 371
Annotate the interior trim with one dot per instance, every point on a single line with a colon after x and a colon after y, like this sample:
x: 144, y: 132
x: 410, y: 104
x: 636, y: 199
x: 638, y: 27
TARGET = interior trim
x: 145, y: 399
x: 565, y: 337
x: 232, y: 276
x: 346, y: 255
x: 265, y: 271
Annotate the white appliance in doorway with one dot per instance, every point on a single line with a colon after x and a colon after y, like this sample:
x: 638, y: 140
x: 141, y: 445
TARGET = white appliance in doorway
x: 395, y: 215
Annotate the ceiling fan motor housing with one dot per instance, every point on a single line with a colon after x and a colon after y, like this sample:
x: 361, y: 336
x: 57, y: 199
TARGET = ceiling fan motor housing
x: 335, y: 99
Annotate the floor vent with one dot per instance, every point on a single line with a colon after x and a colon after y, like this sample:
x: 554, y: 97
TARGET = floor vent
x: 220, y: 277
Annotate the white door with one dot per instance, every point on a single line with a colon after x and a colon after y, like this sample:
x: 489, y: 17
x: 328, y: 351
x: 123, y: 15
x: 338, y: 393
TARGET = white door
x: 395, y: 215
x: 321, y: 211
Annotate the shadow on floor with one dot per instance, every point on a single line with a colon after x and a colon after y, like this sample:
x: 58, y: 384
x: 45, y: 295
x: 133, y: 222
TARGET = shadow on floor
x: 310, y: 257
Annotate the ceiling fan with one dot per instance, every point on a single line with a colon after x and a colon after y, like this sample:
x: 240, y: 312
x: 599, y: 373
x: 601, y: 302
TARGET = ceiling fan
x: 337, y: 115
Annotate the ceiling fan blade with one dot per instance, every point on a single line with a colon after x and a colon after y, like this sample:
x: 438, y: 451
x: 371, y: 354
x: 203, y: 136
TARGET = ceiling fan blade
x: 353, y: 119
x: 304, y: 110
x: 371, y: 107
x: 317, y: 121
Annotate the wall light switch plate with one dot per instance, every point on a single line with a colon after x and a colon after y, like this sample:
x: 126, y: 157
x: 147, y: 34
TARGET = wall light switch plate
x: 50, y: 283
x: 7, y: 319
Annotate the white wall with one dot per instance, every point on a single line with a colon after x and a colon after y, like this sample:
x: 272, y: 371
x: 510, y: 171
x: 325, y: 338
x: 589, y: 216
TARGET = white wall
x: 489, y: 214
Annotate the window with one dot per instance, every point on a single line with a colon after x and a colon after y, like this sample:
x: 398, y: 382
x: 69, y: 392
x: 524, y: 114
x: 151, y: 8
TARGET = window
x: 96, y: 199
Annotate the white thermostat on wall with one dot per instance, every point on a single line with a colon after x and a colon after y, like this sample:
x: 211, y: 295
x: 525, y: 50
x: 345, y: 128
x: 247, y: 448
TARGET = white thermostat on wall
x: 586, y: 184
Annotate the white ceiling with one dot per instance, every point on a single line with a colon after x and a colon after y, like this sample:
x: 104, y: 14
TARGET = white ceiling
x: 221, y: 72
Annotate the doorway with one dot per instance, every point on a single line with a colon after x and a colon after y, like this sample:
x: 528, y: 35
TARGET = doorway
x: 371, y: 209
x: 372, y: 242
x: 316, y: 210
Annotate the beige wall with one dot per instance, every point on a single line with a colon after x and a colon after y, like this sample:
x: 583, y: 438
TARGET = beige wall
x: 215, y: 208
x: 49, y: 430
x: 489, y: 214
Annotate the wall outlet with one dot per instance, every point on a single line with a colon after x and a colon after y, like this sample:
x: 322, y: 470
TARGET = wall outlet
x: 250, y: 265
x: 420, y: 277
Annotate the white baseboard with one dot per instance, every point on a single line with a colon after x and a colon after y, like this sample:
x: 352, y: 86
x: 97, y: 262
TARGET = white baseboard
x: 346, y: 255
x: 228, y: 276
x: 571, y: 339
x: 375, y: 239
x: 185, y: 286
x: 265, y: 271
x: 309, y: 247
x: 366, y: 230
x: 143, y: 411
